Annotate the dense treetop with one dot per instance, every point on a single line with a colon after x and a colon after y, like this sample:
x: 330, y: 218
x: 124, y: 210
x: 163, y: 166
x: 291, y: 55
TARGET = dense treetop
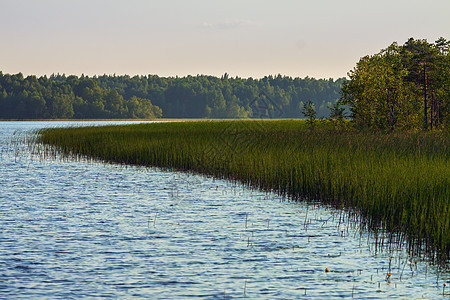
x: 60, y: 96
x: 402, y: 87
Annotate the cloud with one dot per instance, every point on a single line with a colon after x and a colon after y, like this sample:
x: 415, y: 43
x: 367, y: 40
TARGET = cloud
x: 231, y: 24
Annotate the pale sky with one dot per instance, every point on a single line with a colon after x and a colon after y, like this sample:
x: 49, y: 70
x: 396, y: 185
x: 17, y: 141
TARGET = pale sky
x: 246, y: 38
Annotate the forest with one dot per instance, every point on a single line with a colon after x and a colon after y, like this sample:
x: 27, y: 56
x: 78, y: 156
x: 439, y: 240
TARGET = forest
x: 401, y: 87
x: 146, y: 97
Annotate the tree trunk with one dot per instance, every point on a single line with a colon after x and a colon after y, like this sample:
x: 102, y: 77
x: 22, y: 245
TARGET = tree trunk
x: 391, y: 110
x: 432, y: 112
x: 425, y: 94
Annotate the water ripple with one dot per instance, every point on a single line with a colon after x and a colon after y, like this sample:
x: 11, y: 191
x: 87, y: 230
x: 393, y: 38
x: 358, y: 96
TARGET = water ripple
x: 86, y: 230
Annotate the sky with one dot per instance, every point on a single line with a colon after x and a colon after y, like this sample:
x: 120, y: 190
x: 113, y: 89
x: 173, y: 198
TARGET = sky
x: 245, y: 38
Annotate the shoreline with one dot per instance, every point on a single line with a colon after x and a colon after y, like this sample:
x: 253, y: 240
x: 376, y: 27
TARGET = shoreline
x: 380, y: 176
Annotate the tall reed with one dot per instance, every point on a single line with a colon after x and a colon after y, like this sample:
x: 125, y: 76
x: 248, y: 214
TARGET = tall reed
x: 399, y: 182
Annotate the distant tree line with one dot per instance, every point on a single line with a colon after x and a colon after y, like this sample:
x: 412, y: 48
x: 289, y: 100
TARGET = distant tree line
x: 60, y: 97
x: 67, y: 97
x: 402, y: 87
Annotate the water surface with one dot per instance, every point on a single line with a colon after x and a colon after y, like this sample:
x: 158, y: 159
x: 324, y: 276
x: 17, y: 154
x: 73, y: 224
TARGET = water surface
x: 78, y: 229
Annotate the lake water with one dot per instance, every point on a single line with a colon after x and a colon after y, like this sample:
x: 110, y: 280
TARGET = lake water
x: 78, y: 229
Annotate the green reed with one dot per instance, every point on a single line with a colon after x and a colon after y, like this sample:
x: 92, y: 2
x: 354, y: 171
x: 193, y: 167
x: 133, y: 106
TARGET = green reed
x: 399, y: 182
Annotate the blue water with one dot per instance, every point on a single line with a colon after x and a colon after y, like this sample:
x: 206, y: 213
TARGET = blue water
x: 80, y: 229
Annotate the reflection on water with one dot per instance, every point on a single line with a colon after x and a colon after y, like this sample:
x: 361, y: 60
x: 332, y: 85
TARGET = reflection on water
x: 80, y: 229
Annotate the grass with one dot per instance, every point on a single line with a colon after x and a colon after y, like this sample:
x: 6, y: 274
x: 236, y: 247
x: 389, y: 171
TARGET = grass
x: 398, y: 182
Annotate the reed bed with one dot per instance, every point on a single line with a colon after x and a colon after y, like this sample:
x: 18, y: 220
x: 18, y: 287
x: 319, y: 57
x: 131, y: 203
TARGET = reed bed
x: 396, y: 182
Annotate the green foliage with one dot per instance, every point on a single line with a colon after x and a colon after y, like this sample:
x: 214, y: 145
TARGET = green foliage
x: 405, y: 87
x: 309, y: 111
x: 337, y: 114
x: 399, y: 181
x: 188, y: 97
x: 59, y: 97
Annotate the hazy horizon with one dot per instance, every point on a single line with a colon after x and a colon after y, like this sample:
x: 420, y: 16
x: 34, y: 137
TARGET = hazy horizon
x: 320, y: 39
